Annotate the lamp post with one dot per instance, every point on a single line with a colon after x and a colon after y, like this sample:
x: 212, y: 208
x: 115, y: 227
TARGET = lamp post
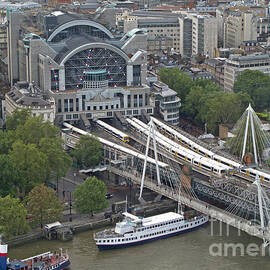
x: 70, y: 207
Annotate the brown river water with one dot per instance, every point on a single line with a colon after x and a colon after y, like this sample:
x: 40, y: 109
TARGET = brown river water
x: 193, y: 250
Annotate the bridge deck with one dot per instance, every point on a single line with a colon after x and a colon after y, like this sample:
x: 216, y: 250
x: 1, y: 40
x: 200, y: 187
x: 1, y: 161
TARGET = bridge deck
x: 196, y: 204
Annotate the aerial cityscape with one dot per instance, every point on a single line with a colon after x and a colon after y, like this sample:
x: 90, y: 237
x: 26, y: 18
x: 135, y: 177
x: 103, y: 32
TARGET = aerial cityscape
x: 134, y: 134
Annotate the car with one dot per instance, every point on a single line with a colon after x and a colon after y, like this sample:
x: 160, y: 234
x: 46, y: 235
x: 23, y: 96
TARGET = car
x: 108, y: 196
x: 107, y: 214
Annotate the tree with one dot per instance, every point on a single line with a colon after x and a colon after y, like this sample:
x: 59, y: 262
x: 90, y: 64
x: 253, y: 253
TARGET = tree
x: 12, y: 217
x: 223, y: 108
x: 17, y: 118
x: 257, y: 85
x: 32, y: 163
x: 34, y: 129
x: 88, y: 151
x: 58, y: 160
x: 7, y: 138
x: 10, y: 177
x: 44, y: 205
x: 89, y: 197
x: 176, y: 80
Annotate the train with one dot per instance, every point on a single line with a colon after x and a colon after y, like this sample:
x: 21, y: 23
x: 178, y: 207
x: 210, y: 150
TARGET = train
x: 181, y: 152
x: 114, y: 131
x: 253, y: 173
x: 115, y: 146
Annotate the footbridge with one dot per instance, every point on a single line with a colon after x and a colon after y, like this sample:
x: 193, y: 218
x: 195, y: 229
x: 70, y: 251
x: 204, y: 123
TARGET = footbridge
x: 203, y: 207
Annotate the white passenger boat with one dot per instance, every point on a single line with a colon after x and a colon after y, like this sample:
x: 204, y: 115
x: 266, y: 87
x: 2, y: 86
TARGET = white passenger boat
x: 134, y: 230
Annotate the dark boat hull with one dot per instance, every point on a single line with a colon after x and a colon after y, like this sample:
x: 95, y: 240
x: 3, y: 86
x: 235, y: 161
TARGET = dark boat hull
x: 107, y: 247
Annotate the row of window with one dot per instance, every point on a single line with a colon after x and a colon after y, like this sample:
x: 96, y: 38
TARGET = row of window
x: 117, y: 240
x: 109, y: 114
x: 160, y: 225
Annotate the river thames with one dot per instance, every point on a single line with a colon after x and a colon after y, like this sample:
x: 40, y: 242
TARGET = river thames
x: 184, y: 252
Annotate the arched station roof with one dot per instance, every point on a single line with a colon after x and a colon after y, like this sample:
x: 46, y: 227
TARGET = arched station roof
x: 95, y: 45
x: 77, y: 23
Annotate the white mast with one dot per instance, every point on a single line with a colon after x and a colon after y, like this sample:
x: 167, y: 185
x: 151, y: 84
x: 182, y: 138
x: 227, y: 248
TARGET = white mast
x: 250, y: 119
x: 260, y: 201
x: 151, y: 133
x: 246, y: 132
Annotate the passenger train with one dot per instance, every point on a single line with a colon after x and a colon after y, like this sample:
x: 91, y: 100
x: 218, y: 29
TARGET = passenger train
x: 114, y: 131
x: 182, y: 152
x: 207, y: 153
x: 115, y: 146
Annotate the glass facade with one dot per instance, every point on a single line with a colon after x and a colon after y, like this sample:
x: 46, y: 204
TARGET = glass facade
x: 80, y: 65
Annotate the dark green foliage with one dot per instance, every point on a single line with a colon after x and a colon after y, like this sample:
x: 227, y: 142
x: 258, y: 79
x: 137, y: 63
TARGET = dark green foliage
x: 35, y: 148
x: 88, y: 151
x: 12, y: 217
x: 31, y: 163
x: 10, y: 176
x: 205, y: 102
x: 17, y: 118
x: 89, y: 197
x: 257, y: 85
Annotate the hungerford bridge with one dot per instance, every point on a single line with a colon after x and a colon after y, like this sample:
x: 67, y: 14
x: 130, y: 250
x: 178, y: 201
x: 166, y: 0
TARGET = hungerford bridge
x: 128, y: 163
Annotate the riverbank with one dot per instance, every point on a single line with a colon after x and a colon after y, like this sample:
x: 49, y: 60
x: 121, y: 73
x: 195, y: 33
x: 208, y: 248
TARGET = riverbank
x: 98, y: 221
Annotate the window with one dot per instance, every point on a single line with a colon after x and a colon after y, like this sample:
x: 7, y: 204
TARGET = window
x: 71, y: 105
x: 140, y: 100
x: 135, y: 101
x: 100, y: 107
x: 68, y: 116
x: 65, y: 105
x: 95, y: 108
x: 59, y: 105
x: 75, y: 116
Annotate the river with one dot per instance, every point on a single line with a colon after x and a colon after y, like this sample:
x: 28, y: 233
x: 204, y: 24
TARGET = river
x: 184, y: 252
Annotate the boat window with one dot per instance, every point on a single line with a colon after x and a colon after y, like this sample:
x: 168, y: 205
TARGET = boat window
x: 119, y: 240
x: 104, y: 241
x: 123, y: 240
x: 108, y: 241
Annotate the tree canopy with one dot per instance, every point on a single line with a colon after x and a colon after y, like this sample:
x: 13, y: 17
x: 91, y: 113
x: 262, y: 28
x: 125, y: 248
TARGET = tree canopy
x: 12, y: 217
x: 34, y: 148
x: 10, y: 176
x: 257, y: 85
x: 17, y: 118
x: 89, y: 197
x: 44, y: 205
x: 88, y: 151
x: 176, y: 80
x: 205, y: 102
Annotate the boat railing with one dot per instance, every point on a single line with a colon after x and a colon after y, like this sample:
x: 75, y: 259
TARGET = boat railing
x: 194, y: 218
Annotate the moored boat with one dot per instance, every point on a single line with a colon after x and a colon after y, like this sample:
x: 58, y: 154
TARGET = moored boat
x: 134, y: 230
x: 44, y: 261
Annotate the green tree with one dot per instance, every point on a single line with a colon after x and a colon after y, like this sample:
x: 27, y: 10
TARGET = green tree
x: 34, y: 129
x: 7, y: 138
x: 44, y: 205
x: 12, y: 217
x: 32, y: 164
x: 176, y: 80
x: 17, y: 118
x: 257, y: 85
x: 58, y: 160
x: 89, y: 197
x: 223, y: 108
x: 88, y: 151
x: 10, y: 177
